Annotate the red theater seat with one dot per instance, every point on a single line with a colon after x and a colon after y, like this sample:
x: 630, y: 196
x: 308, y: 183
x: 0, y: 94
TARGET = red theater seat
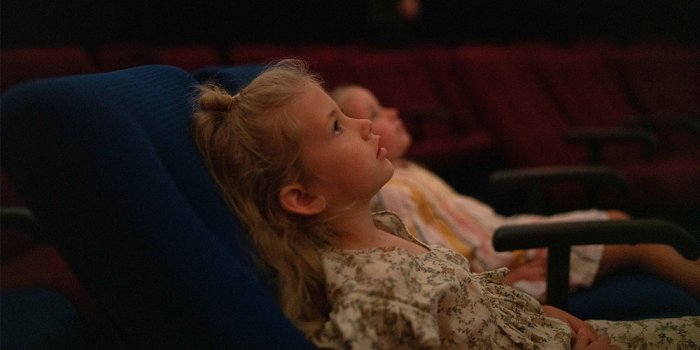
x: 332, y: 62
x: 664, y: 82
x: 30, y: 63
x: 119, y: 56
x: 660, y: 78
x: 588, y: 94
x: 532, y: 130
x: 188, y: 57
x: 400, y: 79
x: 513, y: 106
x: 246, y: 53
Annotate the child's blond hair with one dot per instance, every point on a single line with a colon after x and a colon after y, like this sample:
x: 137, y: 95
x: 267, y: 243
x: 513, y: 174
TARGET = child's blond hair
x: 250, y: 144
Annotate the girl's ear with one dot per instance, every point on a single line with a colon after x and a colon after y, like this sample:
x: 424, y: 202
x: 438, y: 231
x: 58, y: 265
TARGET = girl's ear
x: 295, y: 199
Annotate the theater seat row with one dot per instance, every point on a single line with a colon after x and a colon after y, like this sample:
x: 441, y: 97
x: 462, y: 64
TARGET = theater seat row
x: 468, y: 103
x: 635, y: 109
x: 135, y: 214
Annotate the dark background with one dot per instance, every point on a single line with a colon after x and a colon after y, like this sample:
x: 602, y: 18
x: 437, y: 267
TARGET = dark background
x: 88, y: 23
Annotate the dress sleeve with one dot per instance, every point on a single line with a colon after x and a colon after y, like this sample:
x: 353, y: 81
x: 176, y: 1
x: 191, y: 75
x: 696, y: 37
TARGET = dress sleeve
x: 368, y: 321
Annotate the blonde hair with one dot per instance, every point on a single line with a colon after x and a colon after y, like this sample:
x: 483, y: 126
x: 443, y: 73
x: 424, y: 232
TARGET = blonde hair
x: 251, y: 146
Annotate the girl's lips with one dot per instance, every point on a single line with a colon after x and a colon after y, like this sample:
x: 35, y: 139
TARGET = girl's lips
x: 381, y: 152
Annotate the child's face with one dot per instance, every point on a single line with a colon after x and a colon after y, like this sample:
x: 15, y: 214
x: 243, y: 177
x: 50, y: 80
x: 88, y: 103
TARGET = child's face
x: 342, y: 154
x: 359, y: 102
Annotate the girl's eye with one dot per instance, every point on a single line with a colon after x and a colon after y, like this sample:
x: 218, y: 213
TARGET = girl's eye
x: 337, y: 128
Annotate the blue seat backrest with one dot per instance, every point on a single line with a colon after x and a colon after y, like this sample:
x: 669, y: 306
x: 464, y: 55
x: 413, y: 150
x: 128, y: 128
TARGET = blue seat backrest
x: 232, y: 78
x: 107, y: 163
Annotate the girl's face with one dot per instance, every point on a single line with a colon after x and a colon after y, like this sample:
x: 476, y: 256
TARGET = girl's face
x: 342, y: 155
x: 359, y: 102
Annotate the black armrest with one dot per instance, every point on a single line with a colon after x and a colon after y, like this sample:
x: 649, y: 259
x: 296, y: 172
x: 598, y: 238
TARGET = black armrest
x: 20, y: 232
x: 20, y: 218
x: 522, y: 178
x: 534, y: 179
x: 559, y: 237
x: 689, y: 123
x: 596, y: 137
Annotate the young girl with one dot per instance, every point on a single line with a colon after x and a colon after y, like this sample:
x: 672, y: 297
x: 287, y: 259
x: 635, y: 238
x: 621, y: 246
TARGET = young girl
x: 301, y: 174
x: 437, y: 214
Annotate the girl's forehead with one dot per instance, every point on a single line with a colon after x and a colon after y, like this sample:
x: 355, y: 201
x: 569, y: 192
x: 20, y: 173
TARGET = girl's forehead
x: 313, y: 105
x: 363, y: 97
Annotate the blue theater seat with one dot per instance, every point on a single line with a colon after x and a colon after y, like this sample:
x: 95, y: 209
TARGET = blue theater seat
x: 107, y: 164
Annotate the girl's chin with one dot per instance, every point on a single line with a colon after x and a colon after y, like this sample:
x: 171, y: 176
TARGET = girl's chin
x: 398, y: 162
x: 390, y: 169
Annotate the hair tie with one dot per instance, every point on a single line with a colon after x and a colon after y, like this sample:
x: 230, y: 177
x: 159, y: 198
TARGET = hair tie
x: 232, y: 101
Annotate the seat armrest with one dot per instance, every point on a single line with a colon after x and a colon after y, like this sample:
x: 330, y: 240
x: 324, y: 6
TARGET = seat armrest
x: 532, y: 180
x: 690, y: 123
x: 559, y: 237
x: 21, y: 218
x: 597, y: 137
x: 634, y: 231
x: 526, y: 177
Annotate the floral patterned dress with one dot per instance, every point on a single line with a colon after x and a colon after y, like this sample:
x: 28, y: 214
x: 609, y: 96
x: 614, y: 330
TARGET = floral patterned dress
x: 436, y: 214
x: 388, y: 298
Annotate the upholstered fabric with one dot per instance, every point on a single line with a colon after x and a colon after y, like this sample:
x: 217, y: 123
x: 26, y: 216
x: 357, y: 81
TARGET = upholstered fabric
x: 107, y: 163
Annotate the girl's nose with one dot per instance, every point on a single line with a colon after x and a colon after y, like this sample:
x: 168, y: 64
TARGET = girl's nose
x: 393, y: 113
x: 365, y: 128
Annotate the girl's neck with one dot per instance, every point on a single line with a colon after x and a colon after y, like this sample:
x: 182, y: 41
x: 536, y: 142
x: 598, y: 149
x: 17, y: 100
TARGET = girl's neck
x: 356, y: 228
x: 360, y: 233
